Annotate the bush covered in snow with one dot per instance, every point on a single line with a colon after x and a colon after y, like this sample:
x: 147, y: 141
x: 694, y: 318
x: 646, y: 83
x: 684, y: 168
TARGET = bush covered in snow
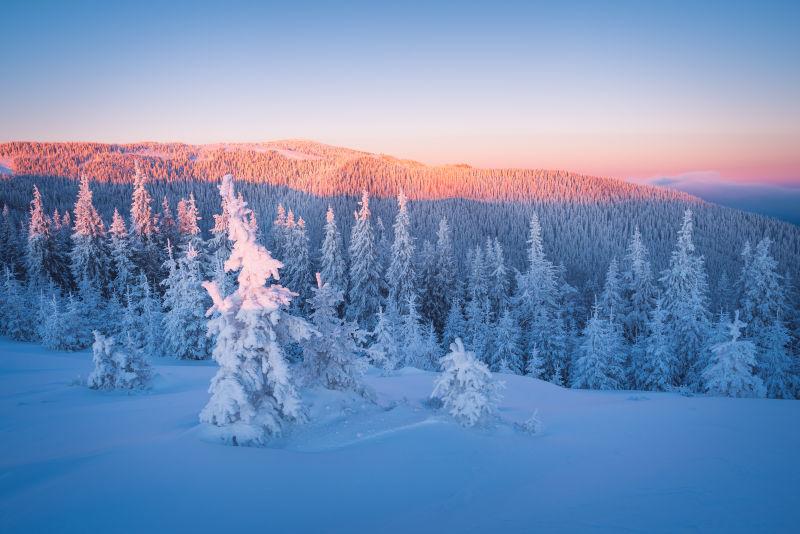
x: 466, y: 387
x: 116, y: 366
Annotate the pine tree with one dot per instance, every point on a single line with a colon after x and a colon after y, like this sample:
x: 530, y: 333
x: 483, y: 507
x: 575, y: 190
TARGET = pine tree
x: 443, y: 284
x: 730, y: 371
x: 774, y: 362
x: 16, y: 321
x: 44, y: 260
x: 332, y: 265
x: 411, y: 335
x: 142, y: 320
x: 365, y: 274
x: 384, y: 352
x: 638, y: 291
x: 598, y: 363
x: 466, y: 387
x: 430, y: 352
x: 455, y: 326
x: 120, y: 256
x: 184, y: 307
x: 611, y: 297
x: 144, y: 246
x: 117, y: 366
x: 188, y: 227
x: 401, y: 276
x: 685, y: 301
x: 497, y: 278
x: 278, y: 232
x: 507, y: 355
x: 298, y: 261
x: 219, y: 250
x: 536, y: 304
x: 10, y: 253
x: 89, y: 257
x: 331, y: 358
x: 652, y: 370
x: 252, y: 395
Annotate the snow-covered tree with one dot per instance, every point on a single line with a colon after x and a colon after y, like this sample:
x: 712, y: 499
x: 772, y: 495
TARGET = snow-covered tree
x: 384, y: 352
x: 117, y: 366
x: 219, y: 250
x: 188, y: 227
x: 253, y: 395
x: 331, y: 357
x: 120, y: 256
x: 496, y: 278
x: 466, y: 387
x: 45, y: 260
x: 365, y: 274
x: 184, y: 307
x: 506, y: 353
x: 454, y: 326
x: 401, y: 276
x: 62, y: 325
x: 10, y: 253
x: 89, y: 254
x: 598, y: 365
x: 638, y: 291
x: 685, y: 301
x: 774, y: 363
x: 536, y: 304
x: 611, y: 298
x: 167, y: 225
x: 411, y: 334
x: 142, y: 321
x: 16, y: 319
x: 145, y: 250
x: 441, y: 284
x: 332, y: 265
x: 731, y: 369
x: 653, y: 363
x: 297, y: 274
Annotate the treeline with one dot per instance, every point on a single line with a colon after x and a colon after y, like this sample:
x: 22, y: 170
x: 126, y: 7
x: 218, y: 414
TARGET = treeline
x: 414, y: 293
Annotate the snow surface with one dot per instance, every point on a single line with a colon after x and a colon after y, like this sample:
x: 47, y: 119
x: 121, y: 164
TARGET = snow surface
x: 77, y: 460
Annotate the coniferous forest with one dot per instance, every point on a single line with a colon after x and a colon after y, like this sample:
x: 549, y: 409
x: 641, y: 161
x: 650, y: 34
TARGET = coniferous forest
x: 616, y: 287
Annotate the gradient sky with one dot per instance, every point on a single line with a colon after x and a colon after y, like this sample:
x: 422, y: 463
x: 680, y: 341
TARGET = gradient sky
x: 626, y: 89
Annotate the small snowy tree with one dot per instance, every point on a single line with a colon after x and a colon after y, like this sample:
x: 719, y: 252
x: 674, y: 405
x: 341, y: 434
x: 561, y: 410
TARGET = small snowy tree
x: 116, y: 366
x: 775, y: 363
x: 331, y: 357
x: 638, y: 289
x: 507, y: 354
x: 654, y: 363
x: 466, y: 387
x: 730, y: 372
x: 252, y: 395
x: 142, y: 319
x: 332, y: 266
x: 384, y: 352
x: 598, y: 362
x: 89, y: 252
x: 120, y: 252
x: 454, y: 326
x: 184, y: 307
x: 16, y: 319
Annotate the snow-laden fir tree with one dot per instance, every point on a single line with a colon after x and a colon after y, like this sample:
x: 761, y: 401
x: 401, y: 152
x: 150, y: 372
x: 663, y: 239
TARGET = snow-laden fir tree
x: 253, y: 395
x: 653, y: 363
x: 496, y: 277
x: 731, y: 369
x: 331, y: 357
x: 10, y: 254
x: 117, y: 366
x: 62, y: 326
x: 120, y: 256
x: 89, y: 256
x: 466, y: 387
x: 411, y: 335
x: 598, y: 362
x: 426, y: 274
x: 610, y: 301
x: 142, y: 323
x: 92, y: 310
x: 365, y: 274
x: 685, y: 301
x: 219, y: 250
x: 774, y: 363
x: 429, y: 352
x: 332, y: 265
x: 401, y: 275
x: 188, y: 227
x: 506, y: 353
x: 638, y: 290
x: 185, y: 306
x: 477, y: 310
x: 297, y: 274
x: 536, y: 303
x: 384, y: 351
x: 44, y: 259
x: 16, y: 319
x: 145, y: 250
x: 443, y: 284
x: 279, y: 231
x: 454, y: 326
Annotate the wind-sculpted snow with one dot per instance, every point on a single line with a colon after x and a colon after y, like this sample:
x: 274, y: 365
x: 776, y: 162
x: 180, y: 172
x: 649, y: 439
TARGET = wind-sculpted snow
x: 78, y: 460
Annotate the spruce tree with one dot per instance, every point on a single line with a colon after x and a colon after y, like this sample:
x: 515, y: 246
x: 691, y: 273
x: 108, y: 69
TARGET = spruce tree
x: 638, y: 291
x: 652, y: 369
x: 89, y: 256
x: 685, y: 301
x: 455, y: 326
x: 384, y: 351
x: 507, y: 354
x: 120, y: 256
x: 598, y: 365
x: 253, y: 395
x: 332, y: 265
x: 365, y: 275
x: 142, y: 320
x: 401, y: 276
x: 731, y: 369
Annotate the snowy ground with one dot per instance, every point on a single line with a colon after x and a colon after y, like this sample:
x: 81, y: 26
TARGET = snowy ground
x: 76, y: 460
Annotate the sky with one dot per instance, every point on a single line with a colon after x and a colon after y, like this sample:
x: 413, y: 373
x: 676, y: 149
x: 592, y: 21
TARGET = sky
x: 635, y: 90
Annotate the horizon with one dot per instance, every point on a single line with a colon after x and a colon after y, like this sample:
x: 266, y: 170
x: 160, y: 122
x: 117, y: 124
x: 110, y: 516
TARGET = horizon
x: 631, y: 92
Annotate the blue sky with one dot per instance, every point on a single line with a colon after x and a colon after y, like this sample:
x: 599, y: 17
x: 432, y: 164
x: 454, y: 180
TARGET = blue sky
x: 626, y: 89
